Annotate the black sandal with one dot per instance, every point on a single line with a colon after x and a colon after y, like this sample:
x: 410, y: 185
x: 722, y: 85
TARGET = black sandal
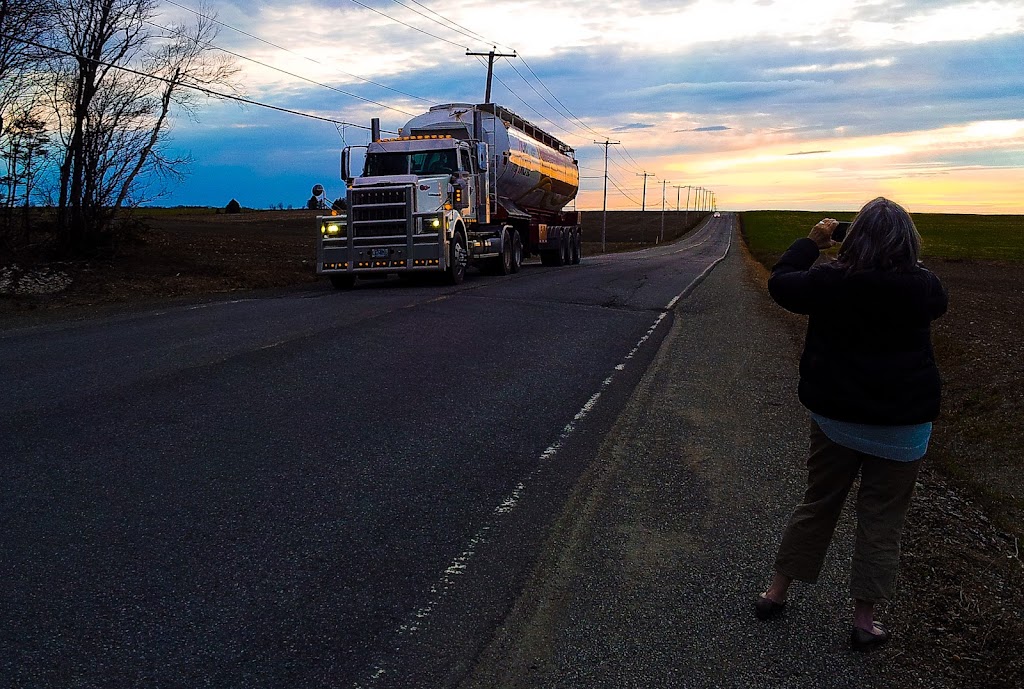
x: 765, y: 608
x: 863, y: 640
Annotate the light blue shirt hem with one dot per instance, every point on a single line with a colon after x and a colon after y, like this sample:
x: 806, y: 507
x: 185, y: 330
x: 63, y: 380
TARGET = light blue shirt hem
x: 899, y: 443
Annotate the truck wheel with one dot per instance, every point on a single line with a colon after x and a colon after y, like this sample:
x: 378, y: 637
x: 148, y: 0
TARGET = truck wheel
x: 517, y: 251
x: 458, y: 257
x: 577, y: 248
x: 566, y: 251
x: 344, y: 282
x: 556, y: 257
x: 506, y: 261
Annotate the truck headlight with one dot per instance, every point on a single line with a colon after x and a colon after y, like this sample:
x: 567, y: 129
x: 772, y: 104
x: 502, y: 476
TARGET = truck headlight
x: 435, y: 223
x: 332, y: 229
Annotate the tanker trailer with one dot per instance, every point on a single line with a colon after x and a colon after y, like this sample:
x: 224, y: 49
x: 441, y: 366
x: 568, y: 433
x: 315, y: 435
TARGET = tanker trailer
x: 461, y: 184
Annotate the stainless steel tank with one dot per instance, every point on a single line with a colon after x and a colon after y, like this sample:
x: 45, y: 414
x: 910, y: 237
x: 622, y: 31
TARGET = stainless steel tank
x: 534, y: 173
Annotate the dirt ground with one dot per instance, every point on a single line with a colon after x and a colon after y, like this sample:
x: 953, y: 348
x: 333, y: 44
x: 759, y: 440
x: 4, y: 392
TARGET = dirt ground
x: 962, y: 550
x: 185, y: 253
x: 962, y: 574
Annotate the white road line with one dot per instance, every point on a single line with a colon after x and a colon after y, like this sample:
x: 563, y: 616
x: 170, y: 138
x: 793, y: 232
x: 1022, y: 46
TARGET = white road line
x: 460, y: 563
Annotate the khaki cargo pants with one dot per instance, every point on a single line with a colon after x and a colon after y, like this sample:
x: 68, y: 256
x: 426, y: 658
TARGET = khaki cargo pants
x: 882, y: 502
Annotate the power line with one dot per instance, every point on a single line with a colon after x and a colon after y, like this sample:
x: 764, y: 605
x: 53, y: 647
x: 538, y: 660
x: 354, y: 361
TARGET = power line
x: 604, y: 204
x: 469, y: 33
x: 526, y: 81
x: 449, y: 25
x: 414, y: 28
x: 631, y: 198
x: 570, y: 112
x: 474, y: 37
x: 478, y: 36
x: 184, y: 84
x: 279, y: 47
x: 530, y: 107
x: 622, y: 167
x: 624, y: 150
x: 278, y: 69
x: 643, y: 204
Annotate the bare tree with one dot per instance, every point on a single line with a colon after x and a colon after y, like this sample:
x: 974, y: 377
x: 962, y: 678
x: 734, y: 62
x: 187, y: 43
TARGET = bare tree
x: 26, y: 151
x: 115, y: 85
x: 95, y: 36
x: 188, y: 59
x: 22, y: 24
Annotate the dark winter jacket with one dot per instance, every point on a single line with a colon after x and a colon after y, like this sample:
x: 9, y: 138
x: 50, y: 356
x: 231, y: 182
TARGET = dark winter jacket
x: 868, y: 353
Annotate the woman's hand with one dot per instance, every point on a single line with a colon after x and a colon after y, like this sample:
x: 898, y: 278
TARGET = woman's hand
x: 821, y: 233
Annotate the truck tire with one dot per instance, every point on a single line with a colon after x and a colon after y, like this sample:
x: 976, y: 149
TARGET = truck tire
x: 505, y: 261
x: 458, y: 257
x: 517, y: 251
x: 343, y: 282
x: 577, y: 248
x: 566, y: 250
x: 556, y: 257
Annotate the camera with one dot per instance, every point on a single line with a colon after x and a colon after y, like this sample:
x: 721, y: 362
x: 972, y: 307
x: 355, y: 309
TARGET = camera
x: 839, y: 234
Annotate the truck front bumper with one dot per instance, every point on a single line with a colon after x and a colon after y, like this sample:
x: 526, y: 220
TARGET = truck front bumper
x: 423, y: 252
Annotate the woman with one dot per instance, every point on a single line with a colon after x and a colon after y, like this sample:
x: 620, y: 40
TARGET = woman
x: 868, y: 377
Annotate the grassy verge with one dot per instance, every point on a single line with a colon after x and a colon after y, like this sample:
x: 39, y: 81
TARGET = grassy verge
x: 944, y: 236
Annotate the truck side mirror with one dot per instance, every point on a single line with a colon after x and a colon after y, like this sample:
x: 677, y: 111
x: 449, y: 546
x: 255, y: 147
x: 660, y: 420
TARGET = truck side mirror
x: 481, y: 156
x: 346, y: 166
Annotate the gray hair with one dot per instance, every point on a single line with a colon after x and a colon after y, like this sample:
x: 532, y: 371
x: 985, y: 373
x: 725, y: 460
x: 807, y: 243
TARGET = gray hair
x: 881, y: 237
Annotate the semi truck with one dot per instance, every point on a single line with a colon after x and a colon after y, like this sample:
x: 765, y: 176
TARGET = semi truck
x: 460, y: 185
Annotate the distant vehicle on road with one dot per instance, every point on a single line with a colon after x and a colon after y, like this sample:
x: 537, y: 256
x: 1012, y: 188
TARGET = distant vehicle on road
x: 460, y: 184
x: 717, y: 214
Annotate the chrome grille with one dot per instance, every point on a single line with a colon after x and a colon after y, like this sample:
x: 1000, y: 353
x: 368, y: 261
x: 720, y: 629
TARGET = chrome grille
x: 380, y: 212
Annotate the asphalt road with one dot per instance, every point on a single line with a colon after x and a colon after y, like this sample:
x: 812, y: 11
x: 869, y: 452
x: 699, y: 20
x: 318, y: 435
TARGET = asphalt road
x: 311, y: 488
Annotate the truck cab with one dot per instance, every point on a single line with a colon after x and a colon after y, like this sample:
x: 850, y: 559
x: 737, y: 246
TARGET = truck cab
x: 408, y: 212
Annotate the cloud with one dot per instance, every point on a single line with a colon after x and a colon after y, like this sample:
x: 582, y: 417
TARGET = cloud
x: 799, y: 79
x: 838, y: 67
x: 714, y: 128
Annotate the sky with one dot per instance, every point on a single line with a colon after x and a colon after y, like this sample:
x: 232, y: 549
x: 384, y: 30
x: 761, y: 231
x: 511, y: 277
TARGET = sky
x: 771, y: 104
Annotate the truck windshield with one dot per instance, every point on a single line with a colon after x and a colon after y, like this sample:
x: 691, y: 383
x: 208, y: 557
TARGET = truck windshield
x: 440, y: 162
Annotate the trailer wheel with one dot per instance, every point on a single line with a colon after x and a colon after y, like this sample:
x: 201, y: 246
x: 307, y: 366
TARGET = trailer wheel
x: 458, y: 257
x: 517, y: 251
x: 343, y: 282
x: 552, y: 258
x: 577, y: 248
x: 559, y: 256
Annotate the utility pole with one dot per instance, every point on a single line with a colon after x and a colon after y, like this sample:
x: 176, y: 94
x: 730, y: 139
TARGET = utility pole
x: 490, y: 67
x: 604, y: 206
x: 678, y: 187
x: 643, y: 203
x: 664, y: 184
x: 643, y: 200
